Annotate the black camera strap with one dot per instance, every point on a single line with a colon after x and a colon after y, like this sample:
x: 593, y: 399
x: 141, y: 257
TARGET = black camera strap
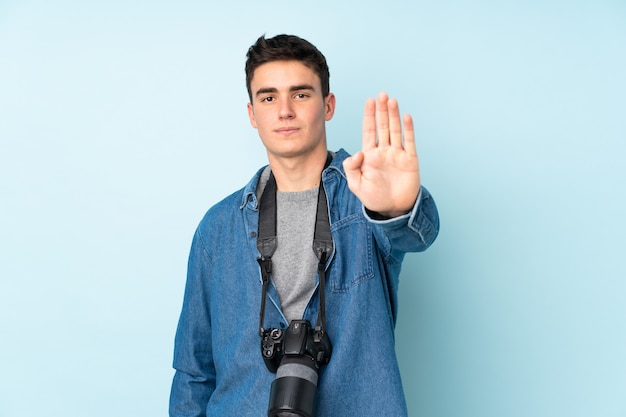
x: 267, y: 243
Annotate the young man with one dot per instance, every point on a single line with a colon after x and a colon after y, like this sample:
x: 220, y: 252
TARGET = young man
x: 377, y: 211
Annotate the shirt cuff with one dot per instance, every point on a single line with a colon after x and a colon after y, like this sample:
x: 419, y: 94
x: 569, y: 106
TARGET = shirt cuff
x: 376, y: 217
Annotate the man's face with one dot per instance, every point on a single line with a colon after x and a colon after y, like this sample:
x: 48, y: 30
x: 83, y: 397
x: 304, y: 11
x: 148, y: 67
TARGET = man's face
x: 288, y: 109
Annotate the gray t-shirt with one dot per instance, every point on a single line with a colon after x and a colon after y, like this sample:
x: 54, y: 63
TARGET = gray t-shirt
x: 294, y: 264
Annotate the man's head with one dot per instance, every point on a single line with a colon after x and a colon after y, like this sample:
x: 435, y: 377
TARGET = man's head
x: 289, y: 99
x: 286, y: 48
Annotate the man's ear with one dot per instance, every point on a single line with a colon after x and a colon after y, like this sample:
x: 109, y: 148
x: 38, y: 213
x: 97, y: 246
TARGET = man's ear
x: 251, y: 115
x: 329, y: 102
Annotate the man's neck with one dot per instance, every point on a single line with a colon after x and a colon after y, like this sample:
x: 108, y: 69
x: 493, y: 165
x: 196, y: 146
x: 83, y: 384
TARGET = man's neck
x: 298, y: 174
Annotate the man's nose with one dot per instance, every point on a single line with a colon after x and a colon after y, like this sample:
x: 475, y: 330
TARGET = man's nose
x: 286, y: 110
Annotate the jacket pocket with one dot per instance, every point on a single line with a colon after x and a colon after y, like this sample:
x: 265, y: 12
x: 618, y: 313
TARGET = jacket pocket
x: 353, y: 262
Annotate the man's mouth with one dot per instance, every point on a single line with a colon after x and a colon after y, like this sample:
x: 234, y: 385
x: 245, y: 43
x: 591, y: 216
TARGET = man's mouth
x: 287, y: 130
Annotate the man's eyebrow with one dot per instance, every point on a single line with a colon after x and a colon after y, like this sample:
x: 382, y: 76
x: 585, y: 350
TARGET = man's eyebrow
x: 302, y: 87
x: 266, y: 90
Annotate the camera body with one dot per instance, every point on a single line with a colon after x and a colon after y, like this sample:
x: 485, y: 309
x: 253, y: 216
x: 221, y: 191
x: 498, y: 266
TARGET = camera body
x: 295, y: 355
x: 299, y: 339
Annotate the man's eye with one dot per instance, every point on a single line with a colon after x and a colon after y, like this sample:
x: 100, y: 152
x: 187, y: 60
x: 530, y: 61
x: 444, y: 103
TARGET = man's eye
x: 267, y: 99
x: 301, y: 96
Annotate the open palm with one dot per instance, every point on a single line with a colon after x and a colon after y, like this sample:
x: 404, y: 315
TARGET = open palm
x: 384, y: 175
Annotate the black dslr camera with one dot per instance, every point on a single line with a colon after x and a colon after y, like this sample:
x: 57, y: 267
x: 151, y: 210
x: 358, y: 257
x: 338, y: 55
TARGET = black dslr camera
x: 295, y: 355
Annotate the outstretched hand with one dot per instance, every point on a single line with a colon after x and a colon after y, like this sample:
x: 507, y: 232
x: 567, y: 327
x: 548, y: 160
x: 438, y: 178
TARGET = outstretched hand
x: 384, y: 175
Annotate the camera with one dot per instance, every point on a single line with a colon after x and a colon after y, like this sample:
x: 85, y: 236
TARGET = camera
x: 295, y: 355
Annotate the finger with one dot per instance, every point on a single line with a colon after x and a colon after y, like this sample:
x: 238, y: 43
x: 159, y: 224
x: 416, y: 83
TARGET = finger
x: 369, y: 124
x: 409, y: 136
x: 354, y: 162
x: 352, y: 168
x: 382, y: 120
x: 395, y: 126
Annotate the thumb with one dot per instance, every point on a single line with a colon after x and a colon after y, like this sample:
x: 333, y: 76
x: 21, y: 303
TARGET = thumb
x: 353, y: 162
x: 352, y: 167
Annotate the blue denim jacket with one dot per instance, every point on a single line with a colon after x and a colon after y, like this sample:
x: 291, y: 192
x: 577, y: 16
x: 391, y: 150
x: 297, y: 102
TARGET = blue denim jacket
x: 217, y: 356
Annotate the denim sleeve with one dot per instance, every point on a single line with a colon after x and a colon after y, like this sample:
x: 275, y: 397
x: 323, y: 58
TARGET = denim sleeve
x: 194, y: 380
x: 412, y: 232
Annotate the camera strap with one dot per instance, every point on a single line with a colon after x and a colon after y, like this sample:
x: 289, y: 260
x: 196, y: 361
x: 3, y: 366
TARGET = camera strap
x: 267, y: 243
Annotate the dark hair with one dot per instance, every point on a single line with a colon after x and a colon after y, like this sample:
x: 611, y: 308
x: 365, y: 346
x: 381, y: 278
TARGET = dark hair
x: 286, y: 48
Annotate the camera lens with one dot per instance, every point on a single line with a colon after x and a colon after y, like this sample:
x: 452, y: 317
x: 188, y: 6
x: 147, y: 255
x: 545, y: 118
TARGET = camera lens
x: 293, y: 390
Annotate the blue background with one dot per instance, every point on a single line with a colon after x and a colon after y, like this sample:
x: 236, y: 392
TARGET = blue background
x: 116, y: 122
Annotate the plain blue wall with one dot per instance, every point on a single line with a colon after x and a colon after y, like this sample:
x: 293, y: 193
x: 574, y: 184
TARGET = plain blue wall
x: 116, y: 120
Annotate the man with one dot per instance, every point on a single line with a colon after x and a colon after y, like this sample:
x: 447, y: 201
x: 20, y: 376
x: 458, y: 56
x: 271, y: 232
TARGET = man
x: 377, y: 212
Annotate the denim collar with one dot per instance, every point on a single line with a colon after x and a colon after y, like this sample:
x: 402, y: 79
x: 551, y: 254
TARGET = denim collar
x: 249, y: 192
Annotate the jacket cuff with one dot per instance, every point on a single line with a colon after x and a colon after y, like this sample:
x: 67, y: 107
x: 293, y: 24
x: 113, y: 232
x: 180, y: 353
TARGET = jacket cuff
x: 378, y: 218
